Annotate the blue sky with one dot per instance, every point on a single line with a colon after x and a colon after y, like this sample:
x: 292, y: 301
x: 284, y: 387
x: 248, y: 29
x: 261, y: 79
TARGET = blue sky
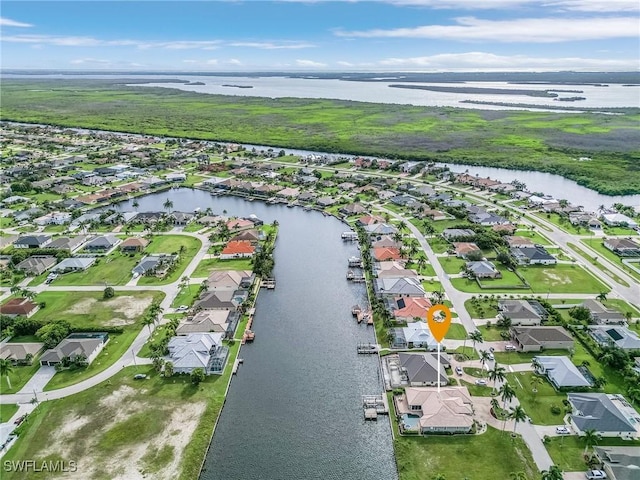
x: 317, y: 35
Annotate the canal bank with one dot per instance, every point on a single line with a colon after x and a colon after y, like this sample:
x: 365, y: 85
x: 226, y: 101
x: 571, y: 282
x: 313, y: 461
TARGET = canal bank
x: 295, y: 408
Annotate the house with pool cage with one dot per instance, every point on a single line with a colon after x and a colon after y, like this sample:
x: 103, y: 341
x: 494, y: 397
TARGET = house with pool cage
x: 198, y: 350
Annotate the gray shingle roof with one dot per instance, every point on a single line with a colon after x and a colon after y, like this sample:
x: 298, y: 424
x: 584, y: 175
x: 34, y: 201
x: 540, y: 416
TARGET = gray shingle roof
x: 596, y: 411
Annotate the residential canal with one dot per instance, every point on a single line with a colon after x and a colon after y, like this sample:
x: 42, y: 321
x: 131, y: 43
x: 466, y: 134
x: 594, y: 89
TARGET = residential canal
x: 293, y: 411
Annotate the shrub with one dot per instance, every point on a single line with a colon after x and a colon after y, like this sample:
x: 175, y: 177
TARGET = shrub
x: 109, y: 292
x: 556, y: 410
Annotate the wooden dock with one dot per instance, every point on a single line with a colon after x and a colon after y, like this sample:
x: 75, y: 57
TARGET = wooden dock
x: 268, y: 283
x: 374, y: 405
x: 355, y: 262
x: 367, y: 348
x: 355, y: 277
x: 349, y: 236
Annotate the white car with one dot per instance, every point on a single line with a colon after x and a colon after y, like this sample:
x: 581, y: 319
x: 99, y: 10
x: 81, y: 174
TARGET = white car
x: 182, y: 308
x: 481, y: 382
x: 491, y: 357
x: 595, y: 474
x: 562, y: 431
x: 459, y: 370
x: 510, y: 348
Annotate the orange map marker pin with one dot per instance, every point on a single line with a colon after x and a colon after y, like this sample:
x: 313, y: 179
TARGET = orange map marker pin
x: 439, y: 327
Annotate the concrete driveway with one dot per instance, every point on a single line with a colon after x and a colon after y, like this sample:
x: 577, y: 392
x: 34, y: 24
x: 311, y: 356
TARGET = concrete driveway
x: 39, y: 380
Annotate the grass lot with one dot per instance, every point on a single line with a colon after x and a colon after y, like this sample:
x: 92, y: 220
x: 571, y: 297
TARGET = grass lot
x: 534, y: 236
x: 494, y: 455
x: 567, y: 450
x: 627, y: 232
x: 563, y: 223
x: 431, y: 286
x: 524, y: 357
x: 488, y: 309
x: 186, y: 296
x: 172, y: 244
x: 88, y: 310
x: 598, y: 246
x: 537, y: 405
x: 7, y: 411
x: 456, y: 332
x: 19, y: 376
x: 439, y: 245
x: 469, y: 351
x: 205, y: 267
x: 506, y: 283
x: 114, y: 269
x: 24, y: 339
x: 151, y: 404
x: 451, y: 264
x: 562, y: 279
x: 491, y: 334
x: 594, y: 261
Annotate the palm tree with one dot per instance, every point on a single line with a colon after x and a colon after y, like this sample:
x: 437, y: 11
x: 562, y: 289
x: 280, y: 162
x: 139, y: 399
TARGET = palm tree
x: 476, y: 337
x: 495, y: 405
x: 517, y: 414
x: 602, y: 296
x: 497, y: 374
x: 484, y: 358
x: 507, y: 393
x: 135, y: 204
x: 536, y: 380
x: 554, y: 473
x: 26, y: 293
x: 148, y: 320
x: 5, y: 369
x: 168, y: 205
x: 591, y: 438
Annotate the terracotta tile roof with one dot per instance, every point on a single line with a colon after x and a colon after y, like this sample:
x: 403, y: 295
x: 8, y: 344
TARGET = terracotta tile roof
x: 238, y: 247
x: 18, y: 306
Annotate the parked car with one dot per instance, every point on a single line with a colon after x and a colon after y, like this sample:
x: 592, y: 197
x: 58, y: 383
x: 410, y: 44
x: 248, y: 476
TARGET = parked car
x: 19, y: 420
x: 595, y: 474
x: 510, y: 348
x: 491, y: 357
x: 562, y: 431
x: 182, y: 308
x: 459, y: 370
x: 480, y: 381
x: 139, y: 376
x: 491, y: 349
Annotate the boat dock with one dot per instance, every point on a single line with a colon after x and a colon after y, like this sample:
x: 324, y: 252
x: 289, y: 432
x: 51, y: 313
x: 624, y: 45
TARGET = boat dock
x: 355, y: 277
x: 350, y: 236
x: 355, y: 262
x: 374, y: 405
x: 367, y: 348
x: 268, y: 283
x: 236, y: 365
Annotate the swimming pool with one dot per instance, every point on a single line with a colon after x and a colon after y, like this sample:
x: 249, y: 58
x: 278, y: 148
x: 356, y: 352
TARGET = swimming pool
x: 410, y: 421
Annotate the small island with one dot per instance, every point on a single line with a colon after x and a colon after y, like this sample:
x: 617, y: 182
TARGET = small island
x: 237, y: 86
x: 569, y: 99
x: 194, y: 83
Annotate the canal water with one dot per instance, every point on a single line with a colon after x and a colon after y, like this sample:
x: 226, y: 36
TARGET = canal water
x: 293, y: 411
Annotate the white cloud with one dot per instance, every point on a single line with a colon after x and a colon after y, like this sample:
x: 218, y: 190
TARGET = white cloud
x: 488, y: 61
x: 595, y: 5
x: 83, y: 61
x: 102, y: 63
x: 7, y: 22
x: 530, y: 30
x: 345, y: 64
x: 310, y: 63
x: 233, y: 61
x: 272, y: 45
x: 211, y: 61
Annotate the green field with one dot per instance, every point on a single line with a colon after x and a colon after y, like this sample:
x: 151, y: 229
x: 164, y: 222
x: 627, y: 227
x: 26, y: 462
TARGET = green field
x: 451, y: 264
x: 537, y: 405
x: 507, y: 283
x: 7, y: 411
x: 456, y: 332
x: 566, y: 451
x: 19, y: 376
x: 205, y: 267
x: 562, y: 278
x: 114, y: 269
x: 546, y: 141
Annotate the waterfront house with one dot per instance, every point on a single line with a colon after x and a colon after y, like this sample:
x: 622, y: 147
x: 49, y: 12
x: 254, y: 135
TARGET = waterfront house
x: 622, y: 247
x: 447, y: 410
x: 560, y: 371
x: 610, y: 415
x: 36, y: 264
x: 392, y: 269
x: 377, y: 229
x: 601, y: 314
x: 237, y: 249
x: 414, y: 335
x: 532, y: 256
x: 74, y: 264
x: 407, y: 309
x: 618, y: 219
x: 370, y: 220
x: 399, y: 287
x: 32, y: 241
x: 221, y: 300
x: 352, y: 209
x: 385, y: 241
x: 483, y: 269
x: 253, y: 236
x: 19, y: 307
x: 522, y: 312
x: 198, y: 350
x: 180, y: 218
x: 84, y: 347
x: 221, y: 321
x: 19, y: 353
x: 537, y: 339
x: 421, y: 369
x: 239, y: 224
x: 229, y: 280
x: 615, y: 335
x: 381, y: 254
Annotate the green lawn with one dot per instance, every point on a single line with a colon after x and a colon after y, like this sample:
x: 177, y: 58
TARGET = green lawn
x: 524, y: 357
x: 481, y: 309
x: 150, y: 405
x: 601, y: 250
x: 205, y: 267
x: 172, y: 244
x: 469, y: 351
x: 24, y: 339
x: 627, y: 232
x: 475, y: 372
x: 477, y: 390
x: 114, y: 269
x: 489, y: 456
x: 537, y: 405
x: 7, y: 411
x: 456, y: 332
x: 19, y: 376
x: 567, y: 450
x: 186, y: 296
x: 439, y: 245
x: 562, y: 279
x: 534, y: 236
x: 506, y: 283
x: 491, y: 334
x: 451, y: 264
x: 89, y: 310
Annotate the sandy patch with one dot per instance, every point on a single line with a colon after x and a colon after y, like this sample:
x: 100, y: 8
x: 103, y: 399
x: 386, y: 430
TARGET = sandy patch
x: 127, y: 463
x: 83, y: 306
x: 555, y: 279
x: 128, y: 307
